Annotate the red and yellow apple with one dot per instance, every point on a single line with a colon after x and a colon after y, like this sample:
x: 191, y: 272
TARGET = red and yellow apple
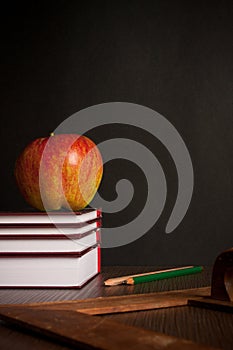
x: 60, y: 171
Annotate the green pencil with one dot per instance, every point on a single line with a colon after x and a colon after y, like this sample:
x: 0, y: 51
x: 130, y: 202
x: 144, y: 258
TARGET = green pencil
x: 163, y: 275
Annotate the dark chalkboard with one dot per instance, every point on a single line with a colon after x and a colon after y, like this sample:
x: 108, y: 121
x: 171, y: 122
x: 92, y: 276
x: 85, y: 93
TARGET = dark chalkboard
x: 174, y: 57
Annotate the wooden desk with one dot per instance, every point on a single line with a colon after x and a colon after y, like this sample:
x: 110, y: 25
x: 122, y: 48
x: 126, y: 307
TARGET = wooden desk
x: 204, y: 326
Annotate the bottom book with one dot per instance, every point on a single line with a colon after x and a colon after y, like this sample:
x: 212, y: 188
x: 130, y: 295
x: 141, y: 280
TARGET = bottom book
x: 49, y: 270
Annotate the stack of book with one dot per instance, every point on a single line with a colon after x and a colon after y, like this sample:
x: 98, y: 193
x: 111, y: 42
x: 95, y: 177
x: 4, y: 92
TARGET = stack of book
x: 59, y: 249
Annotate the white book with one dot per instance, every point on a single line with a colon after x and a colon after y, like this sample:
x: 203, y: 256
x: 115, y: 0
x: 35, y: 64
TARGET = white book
x: 69, y: 243
x: 52, y: 231
x: 64, y: 217
x: 66, y: 270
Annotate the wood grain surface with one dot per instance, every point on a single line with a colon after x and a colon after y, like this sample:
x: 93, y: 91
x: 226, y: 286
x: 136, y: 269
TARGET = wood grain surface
x: 208, y: 327
x: 81, y: 330
x: 123, y: 303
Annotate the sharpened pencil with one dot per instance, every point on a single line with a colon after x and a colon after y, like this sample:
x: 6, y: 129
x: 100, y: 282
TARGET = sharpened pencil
x: 122, y: 280
x: 163, y: 275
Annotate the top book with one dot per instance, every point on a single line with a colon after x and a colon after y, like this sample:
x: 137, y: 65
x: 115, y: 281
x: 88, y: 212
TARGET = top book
x: 59, y: 217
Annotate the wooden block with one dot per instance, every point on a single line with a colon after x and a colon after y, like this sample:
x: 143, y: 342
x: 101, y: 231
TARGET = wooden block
x: 222, y: 277
x: 92, y: 332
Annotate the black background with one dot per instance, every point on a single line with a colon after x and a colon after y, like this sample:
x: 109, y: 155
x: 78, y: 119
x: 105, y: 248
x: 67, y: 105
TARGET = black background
x: 172, y: 56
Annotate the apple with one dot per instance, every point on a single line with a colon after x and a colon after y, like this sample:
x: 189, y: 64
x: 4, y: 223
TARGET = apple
x: 60, y: 171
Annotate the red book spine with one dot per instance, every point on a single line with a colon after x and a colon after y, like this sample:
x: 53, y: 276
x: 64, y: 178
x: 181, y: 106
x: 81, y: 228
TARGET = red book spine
x: 99, y: 213
x: 98, y: 235
x: 99, y: 258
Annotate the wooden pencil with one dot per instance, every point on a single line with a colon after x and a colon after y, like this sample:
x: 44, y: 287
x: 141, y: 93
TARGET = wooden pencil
x: 122, y: 280
x: 163, y: 275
